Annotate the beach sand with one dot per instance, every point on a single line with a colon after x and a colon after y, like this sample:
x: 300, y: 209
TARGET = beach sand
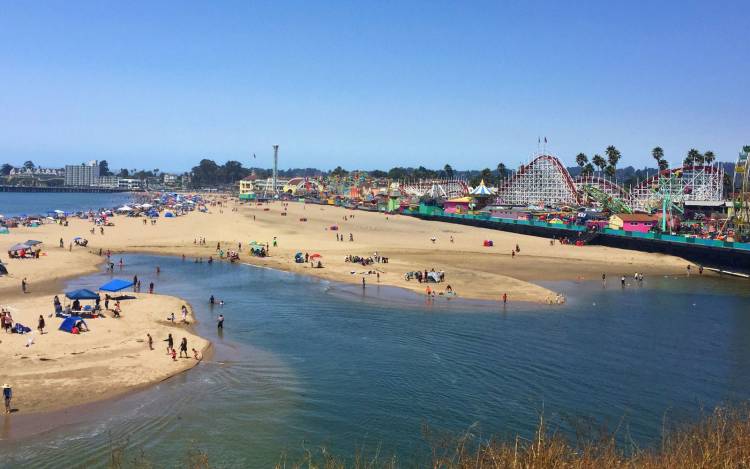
x: 113, y: 359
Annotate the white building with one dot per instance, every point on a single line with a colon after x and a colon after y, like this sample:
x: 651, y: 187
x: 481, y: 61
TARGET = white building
x: 82, y: 175
x: 111, y: 182
x: 129, y: 184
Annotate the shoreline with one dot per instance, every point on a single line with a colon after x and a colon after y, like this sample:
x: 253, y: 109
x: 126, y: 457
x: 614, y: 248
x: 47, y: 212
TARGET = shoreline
x: 476, y: 273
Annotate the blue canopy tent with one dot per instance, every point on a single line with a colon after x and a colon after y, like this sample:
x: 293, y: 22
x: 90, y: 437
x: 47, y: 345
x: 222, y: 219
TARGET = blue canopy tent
x: 169, y: 215
x: 70, y: 322
x: 116, y: 285
x: 82, y: 294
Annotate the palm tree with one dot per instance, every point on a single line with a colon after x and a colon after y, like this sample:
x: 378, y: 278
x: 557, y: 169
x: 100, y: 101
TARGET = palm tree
x: 610, y: 171
x: 582, y: 159
x: 709, y: 157
x: 613, y: 156
x: 599, y: 162
x: 663, y: 165
x: 588, y: 169
x: 692, y: 157
x: 448, y: 171
x: 502, y: 171
x: 658, y: 154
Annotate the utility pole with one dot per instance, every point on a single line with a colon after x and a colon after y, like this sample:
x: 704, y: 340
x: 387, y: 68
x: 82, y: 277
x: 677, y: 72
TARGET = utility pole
x: 275, y: 167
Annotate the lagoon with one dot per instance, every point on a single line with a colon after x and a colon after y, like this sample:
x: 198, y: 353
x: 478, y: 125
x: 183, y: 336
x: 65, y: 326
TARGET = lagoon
x: 307, y: 363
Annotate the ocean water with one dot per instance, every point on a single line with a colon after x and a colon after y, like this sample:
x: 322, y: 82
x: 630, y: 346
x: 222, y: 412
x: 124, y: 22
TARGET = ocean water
x: 39, y: 203
x: 304, y: 363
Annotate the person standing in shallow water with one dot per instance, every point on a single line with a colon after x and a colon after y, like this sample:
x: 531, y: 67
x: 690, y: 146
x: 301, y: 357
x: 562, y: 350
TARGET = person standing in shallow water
x: 7, y: 396
x: 220, y: 322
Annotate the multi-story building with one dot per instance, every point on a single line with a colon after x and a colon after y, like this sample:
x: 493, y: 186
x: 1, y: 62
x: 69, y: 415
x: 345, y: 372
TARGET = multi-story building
x: 170, y: 179
x: 111, y: 182
x: 130, y: 184
x: 82, y: 175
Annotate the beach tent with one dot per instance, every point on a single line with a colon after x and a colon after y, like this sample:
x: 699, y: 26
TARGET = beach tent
x: 125, y: 208
x: 82, y: 294
x: 116, y: 285
x: 169, y: 215
x: 3, y: 269
x: 4, y: 230
x: 69, y: 323
x: 32, y: 242
x: 19, y: 246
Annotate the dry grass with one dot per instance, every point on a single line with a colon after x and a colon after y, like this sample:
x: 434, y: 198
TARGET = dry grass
x: 720, y: 439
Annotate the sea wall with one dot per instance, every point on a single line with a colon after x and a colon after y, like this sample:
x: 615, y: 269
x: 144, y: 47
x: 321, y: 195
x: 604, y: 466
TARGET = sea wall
x: 717, y: 254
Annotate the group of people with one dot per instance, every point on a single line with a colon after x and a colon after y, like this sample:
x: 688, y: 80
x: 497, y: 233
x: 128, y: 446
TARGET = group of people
x: 171, y: 351
x: 340, y: 237
x: 426, y: 277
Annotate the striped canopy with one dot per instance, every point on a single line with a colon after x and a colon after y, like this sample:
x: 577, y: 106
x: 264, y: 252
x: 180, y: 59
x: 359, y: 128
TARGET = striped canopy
x: 481, y: 190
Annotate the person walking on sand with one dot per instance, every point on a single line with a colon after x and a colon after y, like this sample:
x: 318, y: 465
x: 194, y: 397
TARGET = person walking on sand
x: 7, y: 396
x: 24, y: 285
x: 170, y: 343
x: 150, y: 341
x: 505, y: 298
x: 183, y: 347
x: 196, y: 355
x: 40, y: 326
x: 151, y: 287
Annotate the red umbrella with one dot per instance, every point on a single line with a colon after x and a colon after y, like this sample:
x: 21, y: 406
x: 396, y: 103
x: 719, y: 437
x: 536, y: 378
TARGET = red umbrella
x: 315, y: 255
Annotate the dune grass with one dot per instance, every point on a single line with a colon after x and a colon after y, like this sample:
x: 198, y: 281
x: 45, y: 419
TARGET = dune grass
x: 720, y: 439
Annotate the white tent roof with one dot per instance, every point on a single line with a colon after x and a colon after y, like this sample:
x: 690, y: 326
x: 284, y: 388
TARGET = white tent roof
x: 481, y: 190
x: 124, y: 208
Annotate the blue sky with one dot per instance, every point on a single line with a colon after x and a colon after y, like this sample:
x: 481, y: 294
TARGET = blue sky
x: 370, y: 85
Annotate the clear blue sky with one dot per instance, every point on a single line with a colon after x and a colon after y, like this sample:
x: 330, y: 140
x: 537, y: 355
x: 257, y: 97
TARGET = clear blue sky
x: 162, y: 84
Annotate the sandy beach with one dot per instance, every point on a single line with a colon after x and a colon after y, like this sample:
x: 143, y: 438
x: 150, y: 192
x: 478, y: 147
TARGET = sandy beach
x: 113, y: 358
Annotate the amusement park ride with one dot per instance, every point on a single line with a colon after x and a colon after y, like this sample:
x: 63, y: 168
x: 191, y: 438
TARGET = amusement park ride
x: 739, y: 217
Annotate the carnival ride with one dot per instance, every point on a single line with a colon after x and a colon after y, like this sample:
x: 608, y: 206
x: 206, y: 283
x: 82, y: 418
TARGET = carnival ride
x: 435, y: 188
x: 739, y: 216
x: 606, y: 201
x: 544, y: 181
x: 303, y: 186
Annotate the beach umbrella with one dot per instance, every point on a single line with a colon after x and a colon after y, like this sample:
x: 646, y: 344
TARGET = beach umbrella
x: 146, y: 206
x: 124, y: 208
x: 59, y: 212
x: 32, y: 242
x: 18, y: 247
x: 315, y: 256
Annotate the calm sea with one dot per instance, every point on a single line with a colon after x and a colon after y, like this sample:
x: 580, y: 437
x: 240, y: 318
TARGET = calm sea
x: 303, y: 364
x: 37, y: 203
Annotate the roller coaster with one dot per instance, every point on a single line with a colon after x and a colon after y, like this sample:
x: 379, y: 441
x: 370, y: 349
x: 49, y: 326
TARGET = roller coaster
x: 435, y: 188
x: 544, y: 181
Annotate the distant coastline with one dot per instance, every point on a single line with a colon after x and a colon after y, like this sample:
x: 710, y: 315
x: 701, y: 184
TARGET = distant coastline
x: 62, y: 189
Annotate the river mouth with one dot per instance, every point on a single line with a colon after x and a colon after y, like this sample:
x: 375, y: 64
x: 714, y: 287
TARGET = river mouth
x: 306, y: 361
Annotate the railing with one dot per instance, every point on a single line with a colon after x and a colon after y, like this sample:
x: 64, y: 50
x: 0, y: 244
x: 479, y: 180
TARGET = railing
x: 713, y: 243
